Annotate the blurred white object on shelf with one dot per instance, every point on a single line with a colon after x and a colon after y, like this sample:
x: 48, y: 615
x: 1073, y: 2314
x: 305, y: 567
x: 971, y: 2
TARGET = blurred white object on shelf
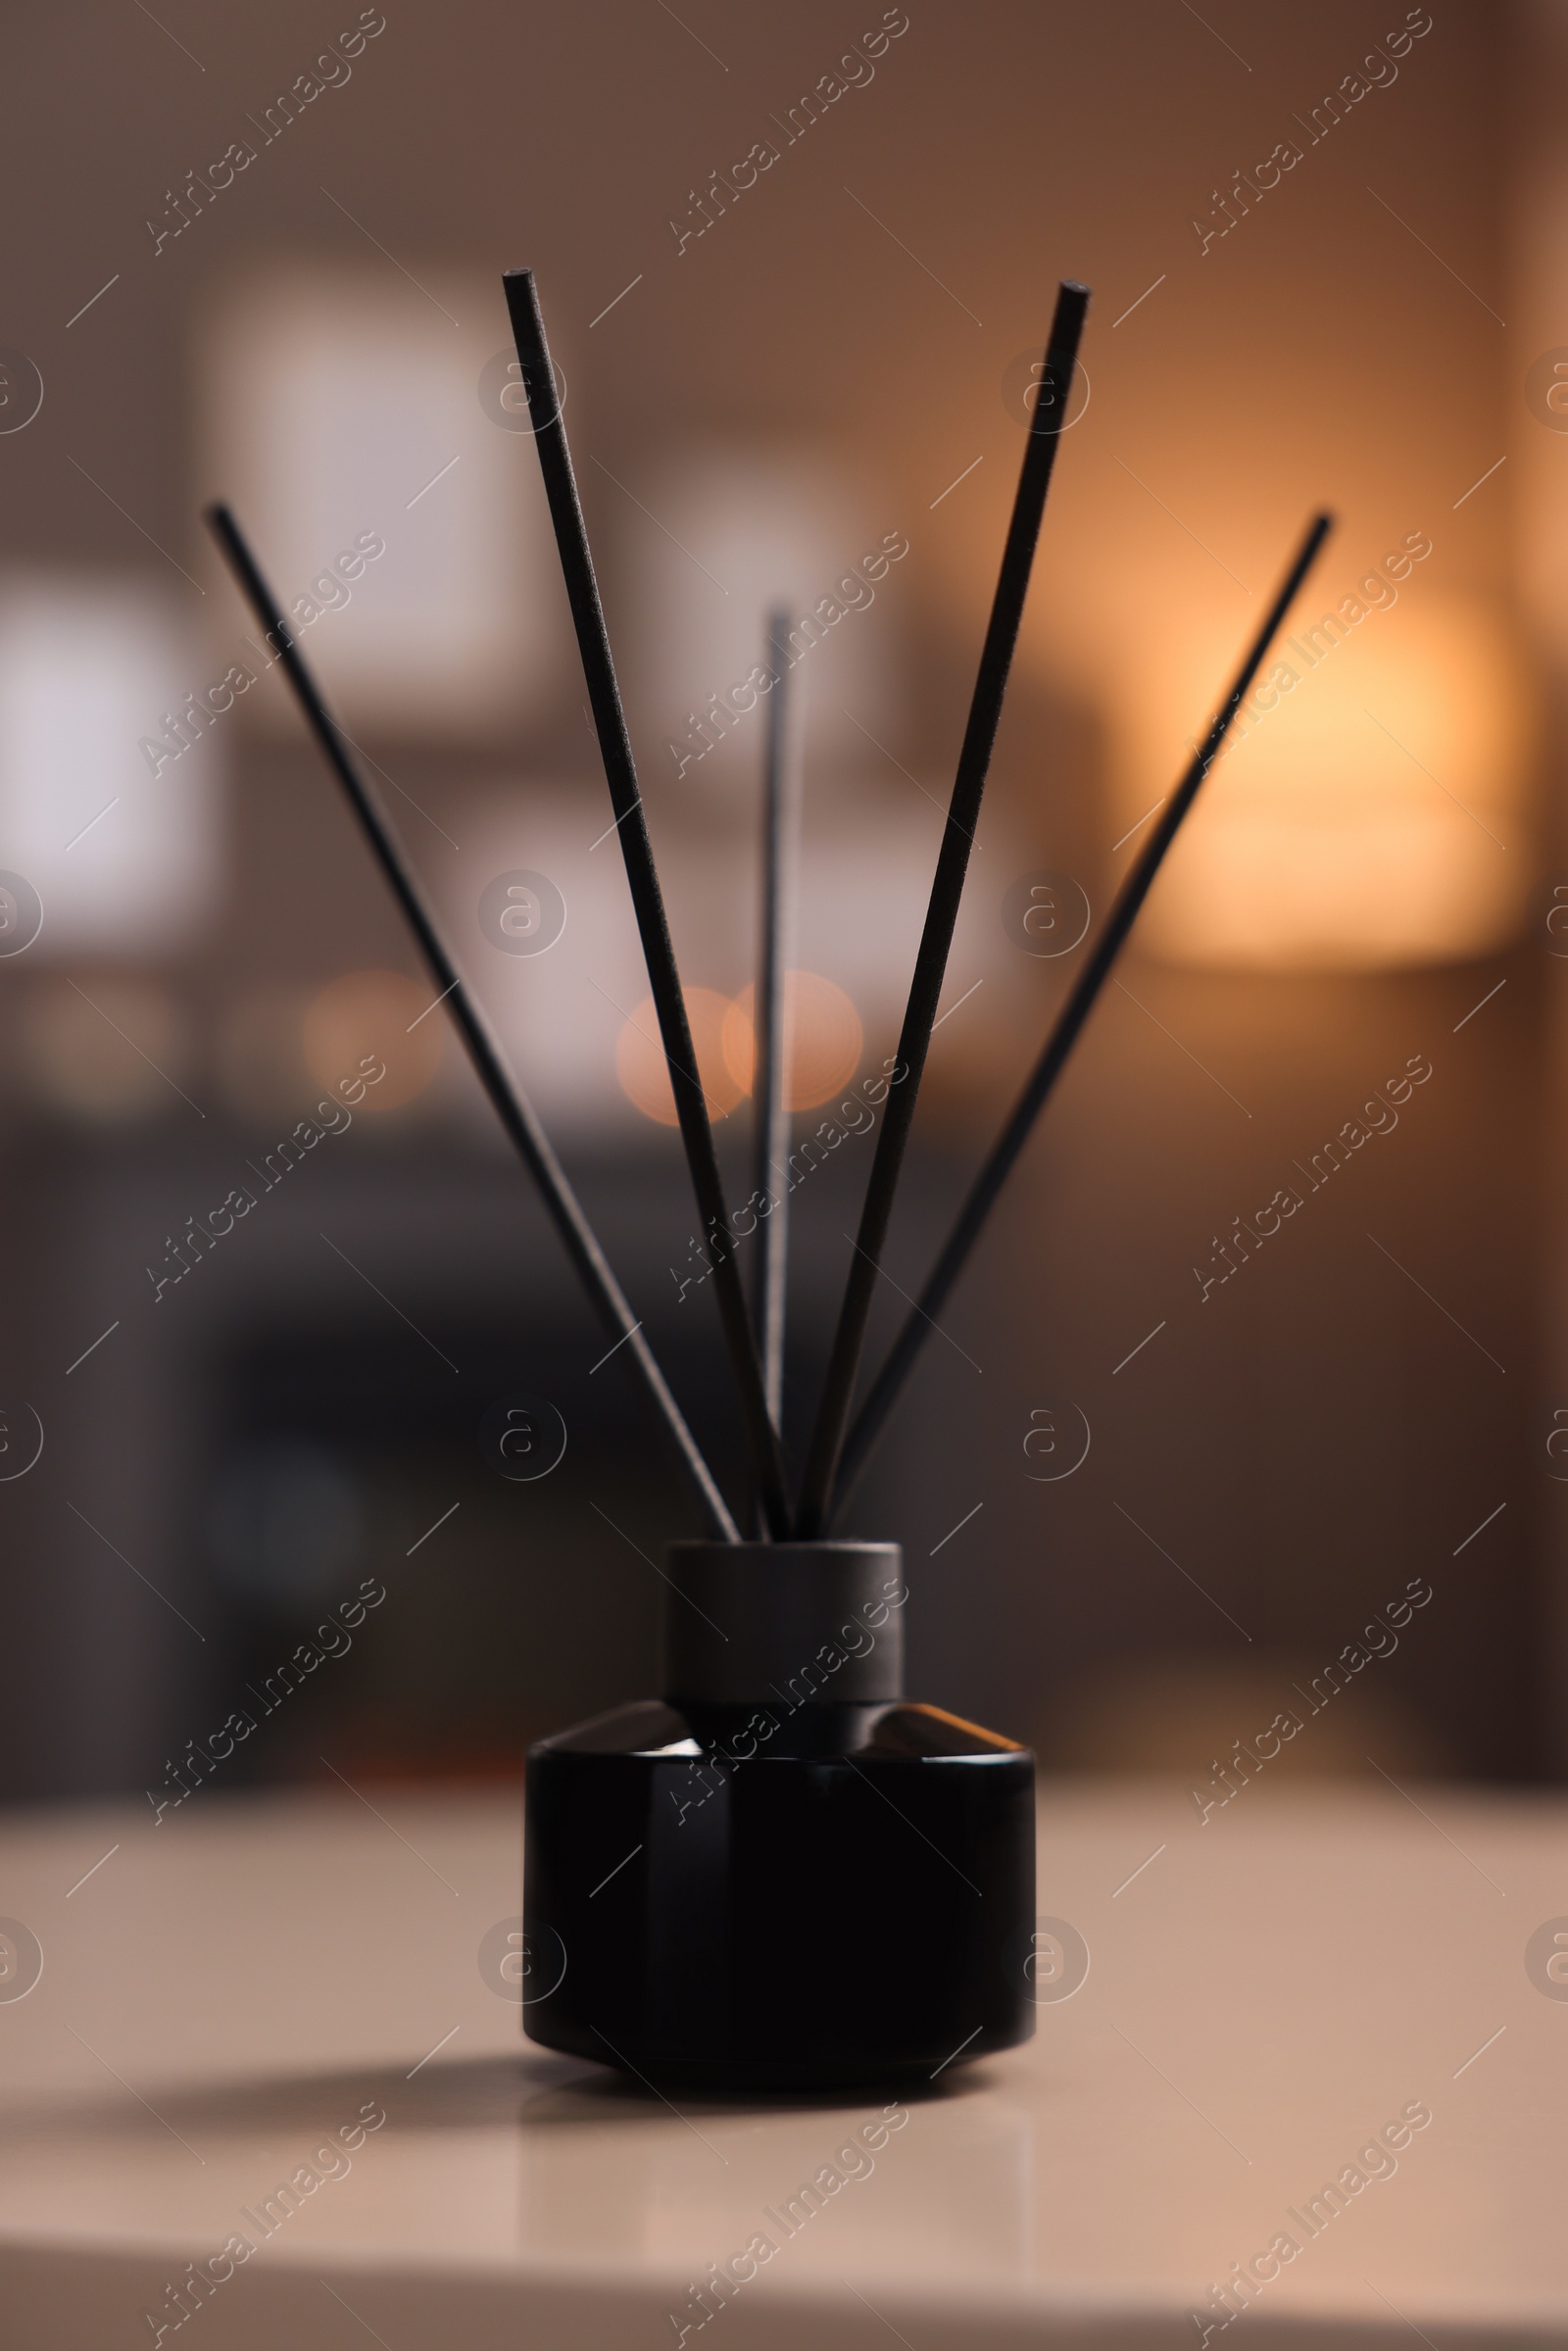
x: 399, y: 518
x: 122, y: 845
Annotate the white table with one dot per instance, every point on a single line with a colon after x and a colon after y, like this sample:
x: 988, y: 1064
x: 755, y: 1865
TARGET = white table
x: 233, y: 1986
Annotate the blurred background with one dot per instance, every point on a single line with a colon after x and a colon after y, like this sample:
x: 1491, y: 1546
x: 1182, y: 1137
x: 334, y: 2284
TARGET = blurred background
x: 1161, y: 1468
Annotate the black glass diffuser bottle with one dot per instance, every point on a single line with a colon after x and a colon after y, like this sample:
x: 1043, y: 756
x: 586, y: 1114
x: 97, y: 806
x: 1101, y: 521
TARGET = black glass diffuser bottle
x: 782, y: 1875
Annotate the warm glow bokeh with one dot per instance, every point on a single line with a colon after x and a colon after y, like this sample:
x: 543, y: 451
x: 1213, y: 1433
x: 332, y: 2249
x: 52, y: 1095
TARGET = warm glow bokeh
x: 644, y: 1074
x: 375, y: 1012
x: 122, y: 1055
x: 823, y: 1039
x: 1370, y: 818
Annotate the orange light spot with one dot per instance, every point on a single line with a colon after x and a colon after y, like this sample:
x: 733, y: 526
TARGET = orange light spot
x: 644, y: 1073
x: 375, y: 1014
x: 823, y: 1039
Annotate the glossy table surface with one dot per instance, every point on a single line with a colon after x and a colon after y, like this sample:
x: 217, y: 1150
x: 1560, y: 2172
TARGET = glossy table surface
x: 229, y: 1996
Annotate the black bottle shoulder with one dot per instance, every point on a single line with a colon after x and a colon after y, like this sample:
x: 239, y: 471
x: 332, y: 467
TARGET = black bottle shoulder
x: 897, y: 1731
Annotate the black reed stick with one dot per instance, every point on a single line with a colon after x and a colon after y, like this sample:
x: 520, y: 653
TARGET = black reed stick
x: 890, y: 1381
x: 658, y: 952
x: 946, y: 889
x: 770, y: 1073
x: 511, y: 1105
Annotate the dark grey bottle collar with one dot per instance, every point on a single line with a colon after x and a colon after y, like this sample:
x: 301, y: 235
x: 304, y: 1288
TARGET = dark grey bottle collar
x: 752, y: 1622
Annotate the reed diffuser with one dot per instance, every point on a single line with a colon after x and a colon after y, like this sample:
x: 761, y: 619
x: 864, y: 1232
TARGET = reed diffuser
x: 782, y: 1872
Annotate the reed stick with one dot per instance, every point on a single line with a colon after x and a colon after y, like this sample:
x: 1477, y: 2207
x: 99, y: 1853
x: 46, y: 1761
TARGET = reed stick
x: 1003, y: 1154
x: 942, y: 913
x: 510, y: 1103
x: 648, y: 902
x: 770, y: 1074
